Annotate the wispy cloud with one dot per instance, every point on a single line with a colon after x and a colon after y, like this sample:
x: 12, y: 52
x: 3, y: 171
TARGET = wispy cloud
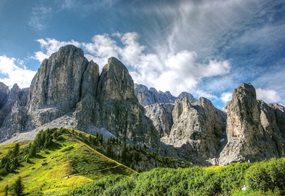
x: 196, y: 25
x: 39, y: 17
x: 15, y: 72
x: 86, y: 5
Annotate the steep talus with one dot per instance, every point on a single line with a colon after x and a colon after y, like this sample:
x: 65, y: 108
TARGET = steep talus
x: 252, y: 129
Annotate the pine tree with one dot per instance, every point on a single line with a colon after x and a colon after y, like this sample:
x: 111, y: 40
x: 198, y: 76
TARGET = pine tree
x: 32, y: 150
x: 16, y: 150
x: 18, y: 187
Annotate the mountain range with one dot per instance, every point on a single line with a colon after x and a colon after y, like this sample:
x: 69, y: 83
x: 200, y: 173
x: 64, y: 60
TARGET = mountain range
x: 68, y: 91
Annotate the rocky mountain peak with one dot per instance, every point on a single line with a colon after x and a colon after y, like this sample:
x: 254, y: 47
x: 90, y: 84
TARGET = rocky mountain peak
x: 69, y: 52
x: 205, y: 103
x: 252, y: 131
x: 115, y: 81
x: 58, y: 80
x: 188, y: 95
x: 245, y: 90
x: 15, y: 88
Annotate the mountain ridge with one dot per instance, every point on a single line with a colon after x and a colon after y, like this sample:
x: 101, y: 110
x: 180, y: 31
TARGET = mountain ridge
x: 69, y: 91
x: 147, y: 96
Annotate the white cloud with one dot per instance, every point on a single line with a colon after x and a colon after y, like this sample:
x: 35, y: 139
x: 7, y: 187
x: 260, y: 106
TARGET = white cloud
x: 132, y: 51
x: 226, y: 96
x: 180, y: 72
x: 39, y: 18
x: 15, y: 73
x: 268, y: 95
x: 101, y: 48
x: 197, y: 25
x: 174, y: 72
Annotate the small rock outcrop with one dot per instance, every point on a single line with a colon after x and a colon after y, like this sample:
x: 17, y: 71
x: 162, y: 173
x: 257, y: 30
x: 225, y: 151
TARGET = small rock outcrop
x: 253, y: 129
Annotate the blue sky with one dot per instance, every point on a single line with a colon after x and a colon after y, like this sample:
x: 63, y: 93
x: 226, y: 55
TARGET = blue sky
x: 204, y: 47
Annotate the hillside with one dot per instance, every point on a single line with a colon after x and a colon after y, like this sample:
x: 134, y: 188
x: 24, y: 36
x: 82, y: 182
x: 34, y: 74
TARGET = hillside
x: 64, y: 165
x: 64, y: 162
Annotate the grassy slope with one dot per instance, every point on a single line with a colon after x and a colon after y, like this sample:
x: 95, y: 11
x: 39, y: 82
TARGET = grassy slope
x: 69, y: 163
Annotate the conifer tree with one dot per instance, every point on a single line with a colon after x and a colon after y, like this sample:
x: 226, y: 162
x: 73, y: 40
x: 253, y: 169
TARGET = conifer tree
x: 18, y: 187
x: 16, y: 150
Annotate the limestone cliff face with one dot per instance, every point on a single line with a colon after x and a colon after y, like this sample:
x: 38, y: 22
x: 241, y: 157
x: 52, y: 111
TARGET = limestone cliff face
x: 161, y: 116
x: 195, y: 130
x: 252, y: 129
x: 58, y: 81
x: 118, y: 108
x: 198, y: 128
x: 4, y: 107
x: 86, y: 108
x: 13, y: 113
x: 115, y: 83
